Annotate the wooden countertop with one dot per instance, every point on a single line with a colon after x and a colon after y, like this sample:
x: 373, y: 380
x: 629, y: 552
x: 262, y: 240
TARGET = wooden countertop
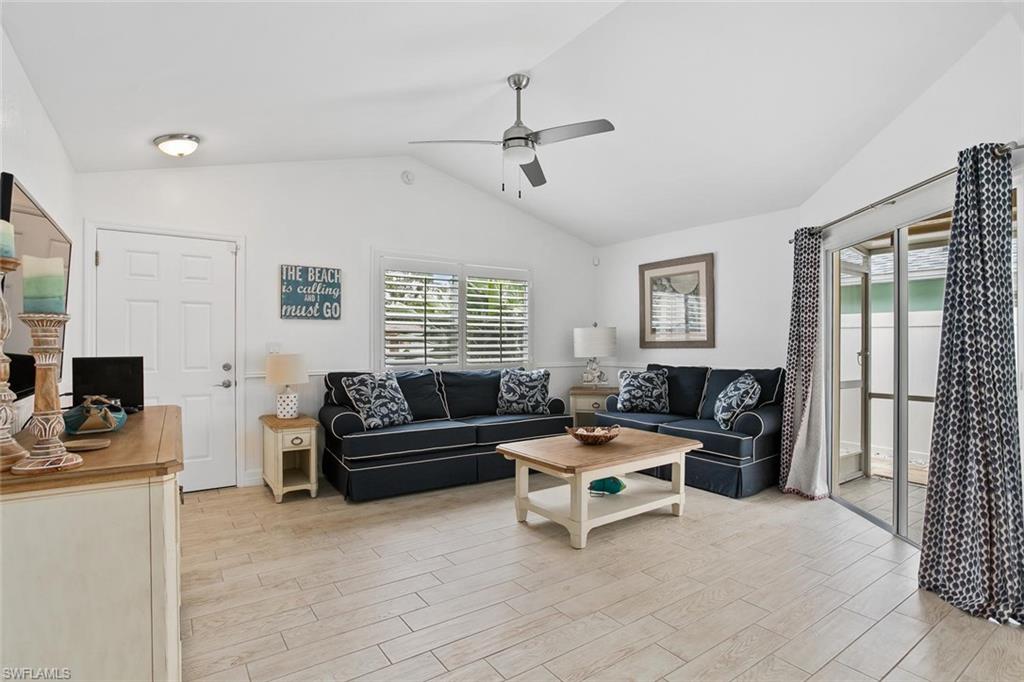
x: 149, y: 445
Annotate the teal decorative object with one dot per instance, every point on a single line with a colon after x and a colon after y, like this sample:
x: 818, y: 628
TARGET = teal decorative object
x: 95, y: 415
x: 43, y: 285
x: 610, y: 486
x: 6, y: 239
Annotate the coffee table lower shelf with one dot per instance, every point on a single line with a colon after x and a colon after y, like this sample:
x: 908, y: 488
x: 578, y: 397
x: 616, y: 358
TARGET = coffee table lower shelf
x: 642, y: 494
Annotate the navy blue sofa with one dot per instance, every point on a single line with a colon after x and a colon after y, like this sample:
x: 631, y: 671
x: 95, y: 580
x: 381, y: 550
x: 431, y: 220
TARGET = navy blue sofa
x: 450, y: 442
x: 736, y: 462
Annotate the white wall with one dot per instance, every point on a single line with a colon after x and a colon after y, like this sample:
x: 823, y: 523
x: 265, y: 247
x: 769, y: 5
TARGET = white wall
x: 32, y: 151
x: 340, y: 213
x: 753, y: 280
x: 979, y: 99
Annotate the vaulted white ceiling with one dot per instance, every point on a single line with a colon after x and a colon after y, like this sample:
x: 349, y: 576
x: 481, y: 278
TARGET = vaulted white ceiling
x: 721, y: 109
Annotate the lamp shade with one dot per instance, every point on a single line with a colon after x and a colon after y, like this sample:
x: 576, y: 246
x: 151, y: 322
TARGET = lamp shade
x: 593, y: 342
x: 286, y: 369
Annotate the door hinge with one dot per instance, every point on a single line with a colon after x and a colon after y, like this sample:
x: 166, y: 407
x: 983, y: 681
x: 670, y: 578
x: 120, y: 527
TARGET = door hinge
x: 97, y: 257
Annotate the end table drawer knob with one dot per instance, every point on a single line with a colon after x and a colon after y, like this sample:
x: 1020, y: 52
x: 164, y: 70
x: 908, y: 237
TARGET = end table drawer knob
x: 596, y: 405
x: 294, y: 440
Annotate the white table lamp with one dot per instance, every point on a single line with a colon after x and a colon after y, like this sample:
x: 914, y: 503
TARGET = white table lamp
x: 286, y: 370
x: 593, y: 343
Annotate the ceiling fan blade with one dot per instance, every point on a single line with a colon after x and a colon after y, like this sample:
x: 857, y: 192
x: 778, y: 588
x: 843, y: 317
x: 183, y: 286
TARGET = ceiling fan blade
x: 455, y: 142
x: 567, y: 132
x: 534, y: 173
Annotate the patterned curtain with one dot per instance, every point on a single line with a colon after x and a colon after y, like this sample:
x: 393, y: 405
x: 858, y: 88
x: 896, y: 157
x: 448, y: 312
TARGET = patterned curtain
x: 972, y: 552
x: 802, y: 468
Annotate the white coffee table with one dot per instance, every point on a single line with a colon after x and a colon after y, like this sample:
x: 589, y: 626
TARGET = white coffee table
x: 571, y: 505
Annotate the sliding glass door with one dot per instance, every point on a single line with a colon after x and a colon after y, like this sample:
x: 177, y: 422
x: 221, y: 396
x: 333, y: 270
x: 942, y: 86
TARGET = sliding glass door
x: 886, y: 325
x: 862, y: 434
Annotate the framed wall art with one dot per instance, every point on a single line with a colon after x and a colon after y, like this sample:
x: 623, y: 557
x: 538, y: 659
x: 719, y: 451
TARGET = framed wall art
x: 677, y: 303
x: 310, y: 293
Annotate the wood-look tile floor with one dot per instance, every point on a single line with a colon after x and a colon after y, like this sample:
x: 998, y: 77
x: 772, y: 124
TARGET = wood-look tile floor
x: 446, y: 585
x: 874, y: 495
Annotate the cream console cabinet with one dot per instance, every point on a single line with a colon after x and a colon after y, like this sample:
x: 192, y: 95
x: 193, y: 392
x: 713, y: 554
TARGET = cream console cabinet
x: 90, y: 563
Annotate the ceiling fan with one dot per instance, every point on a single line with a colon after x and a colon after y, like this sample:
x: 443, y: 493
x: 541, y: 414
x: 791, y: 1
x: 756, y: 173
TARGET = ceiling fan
x: 519, y: 143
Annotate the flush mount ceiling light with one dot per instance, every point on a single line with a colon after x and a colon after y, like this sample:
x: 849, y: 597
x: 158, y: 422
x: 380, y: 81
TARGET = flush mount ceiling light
x: 177, y: 144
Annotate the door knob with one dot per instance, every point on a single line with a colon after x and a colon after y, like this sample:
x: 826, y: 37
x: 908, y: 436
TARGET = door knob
x: 224, y: 384
x: 226, y: 367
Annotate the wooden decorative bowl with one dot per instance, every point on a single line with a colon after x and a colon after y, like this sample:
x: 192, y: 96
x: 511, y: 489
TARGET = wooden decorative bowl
x: 593, y: 435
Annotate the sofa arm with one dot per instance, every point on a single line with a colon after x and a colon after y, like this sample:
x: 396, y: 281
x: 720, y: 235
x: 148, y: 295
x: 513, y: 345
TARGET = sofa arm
x: 340, y: 421
x: 611, y: 403
x: 556, y: 406
x: 764, y: 420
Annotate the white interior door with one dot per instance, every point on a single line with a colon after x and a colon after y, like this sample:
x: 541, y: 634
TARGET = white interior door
x: 172, y: 301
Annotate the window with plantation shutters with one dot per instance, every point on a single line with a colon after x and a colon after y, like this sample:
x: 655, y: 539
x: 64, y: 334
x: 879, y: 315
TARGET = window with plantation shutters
x: 421, y: 318
x: 497, y: 323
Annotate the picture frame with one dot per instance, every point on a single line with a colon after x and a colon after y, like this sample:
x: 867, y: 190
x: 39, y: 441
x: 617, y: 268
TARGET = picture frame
x: 677, y: 302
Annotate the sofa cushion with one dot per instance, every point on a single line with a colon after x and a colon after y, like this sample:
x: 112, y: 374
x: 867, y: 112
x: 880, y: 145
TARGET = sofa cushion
x: 739, y: 396
x: 406, y: 439
x: 716, y: 440
x: 644, y: 421
x: 336, y: 392
x: 685, y: 388
x: 469, y: 393
x: 422, y: 391
x: 421, y: 388
x: 523, y: 391
x: 504, y: 428
x: 718, y: 379
x: 645, y: 391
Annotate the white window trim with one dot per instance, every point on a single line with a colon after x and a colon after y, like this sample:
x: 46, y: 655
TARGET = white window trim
x: 419, y: 263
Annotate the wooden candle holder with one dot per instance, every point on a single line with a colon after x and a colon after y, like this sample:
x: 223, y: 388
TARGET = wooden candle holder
x: 47, y: 423
x: 10, y: 451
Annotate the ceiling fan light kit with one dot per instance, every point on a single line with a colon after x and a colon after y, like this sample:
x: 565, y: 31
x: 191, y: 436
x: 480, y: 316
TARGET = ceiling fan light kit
x: 519, y: 143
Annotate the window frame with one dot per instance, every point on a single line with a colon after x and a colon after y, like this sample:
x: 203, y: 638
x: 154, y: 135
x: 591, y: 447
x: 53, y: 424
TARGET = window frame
x: 462, y: 270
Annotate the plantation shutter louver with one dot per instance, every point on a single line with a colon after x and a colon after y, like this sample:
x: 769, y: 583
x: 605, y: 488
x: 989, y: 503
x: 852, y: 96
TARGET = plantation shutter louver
x: 677, y: 314
x: 497, y: 321
x: 421, y: 318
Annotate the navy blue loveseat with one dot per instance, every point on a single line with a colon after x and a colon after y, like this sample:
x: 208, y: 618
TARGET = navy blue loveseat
x: 450, y: 442
x: 736, y: 462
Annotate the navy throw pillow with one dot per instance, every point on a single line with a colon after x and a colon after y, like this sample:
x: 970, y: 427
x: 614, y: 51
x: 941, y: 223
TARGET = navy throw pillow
x: 378, y: 399
x: 523, y: 391
x: 643, y: 391
x: 738, y: 397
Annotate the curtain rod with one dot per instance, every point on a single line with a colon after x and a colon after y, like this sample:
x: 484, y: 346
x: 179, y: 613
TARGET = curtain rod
x: 1003, y: 150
